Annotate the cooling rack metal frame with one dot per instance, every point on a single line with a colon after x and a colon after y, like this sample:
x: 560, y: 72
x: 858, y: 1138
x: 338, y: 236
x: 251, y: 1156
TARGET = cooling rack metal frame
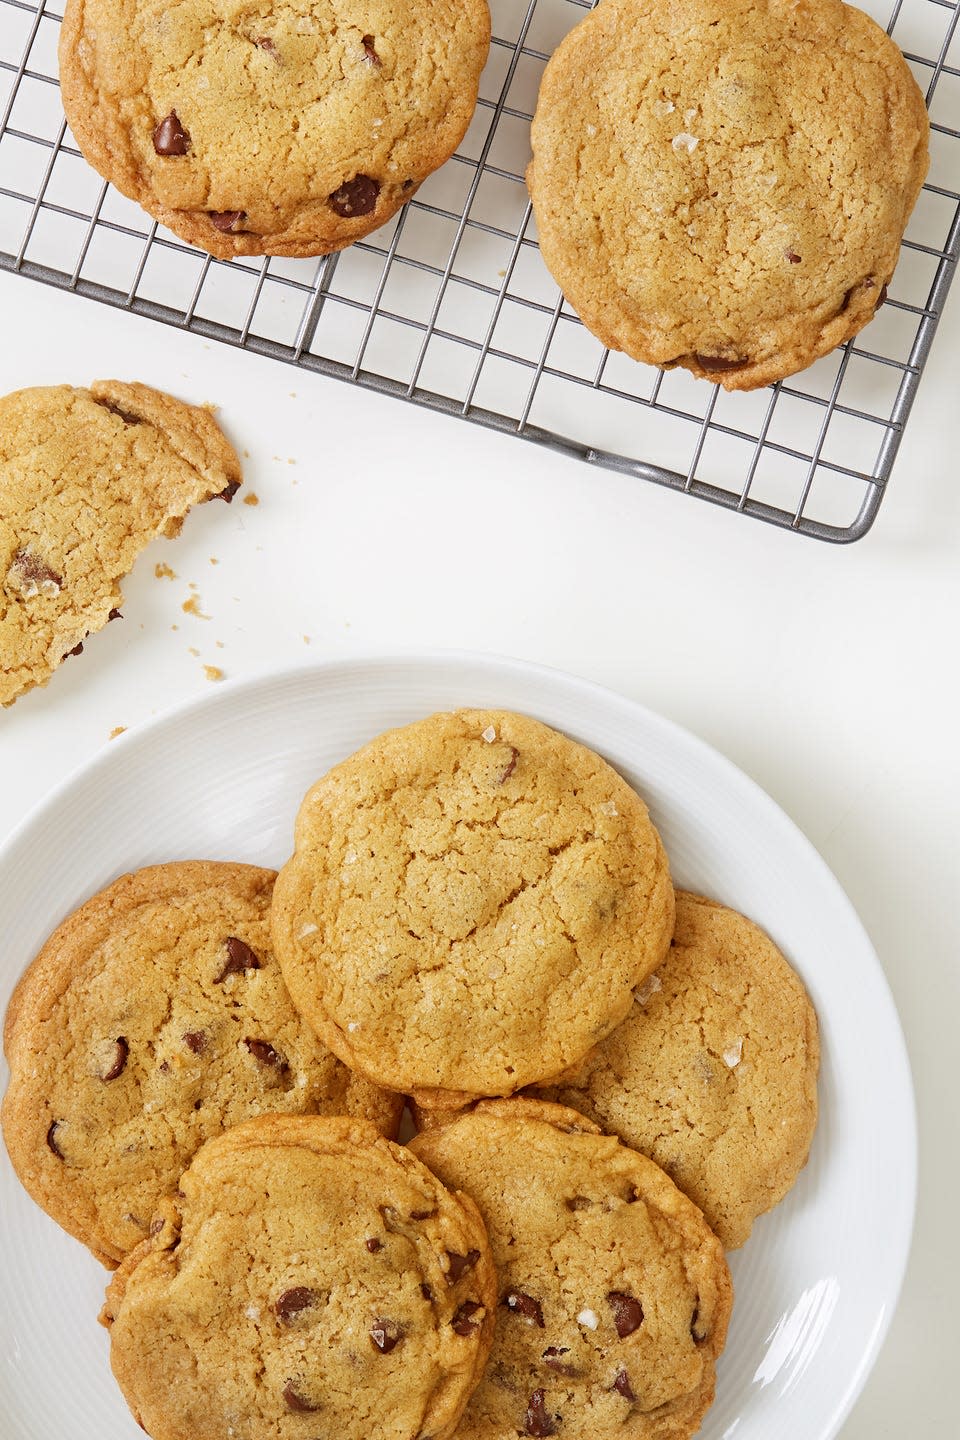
x: 450, y: 306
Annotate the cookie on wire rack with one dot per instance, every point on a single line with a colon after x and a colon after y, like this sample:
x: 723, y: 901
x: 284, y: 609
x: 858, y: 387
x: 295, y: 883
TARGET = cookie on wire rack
x: 724, y: 184
x: 293, y: 127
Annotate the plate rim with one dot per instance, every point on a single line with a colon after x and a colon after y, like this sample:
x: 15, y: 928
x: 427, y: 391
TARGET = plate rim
x: 397, y: 659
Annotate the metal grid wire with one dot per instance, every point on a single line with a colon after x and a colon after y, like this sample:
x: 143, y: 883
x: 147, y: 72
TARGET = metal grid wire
x: 450, y: 305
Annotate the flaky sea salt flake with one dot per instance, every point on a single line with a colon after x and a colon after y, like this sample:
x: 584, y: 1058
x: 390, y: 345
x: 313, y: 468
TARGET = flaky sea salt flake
x: 683, y: 141
x: 308, y: 929
x: 733, y: 1054
x: 489, y: 735
x: 649, y: 987
x: 590, y: 1318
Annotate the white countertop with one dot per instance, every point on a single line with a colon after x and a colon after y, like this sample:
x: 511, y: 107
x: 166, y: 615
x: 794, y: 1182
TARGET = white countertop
x: 828, y: 673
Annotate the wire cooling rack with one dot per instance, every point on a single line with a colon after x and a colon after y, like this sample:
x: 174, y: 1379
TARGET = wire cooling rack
x: 450, y: 305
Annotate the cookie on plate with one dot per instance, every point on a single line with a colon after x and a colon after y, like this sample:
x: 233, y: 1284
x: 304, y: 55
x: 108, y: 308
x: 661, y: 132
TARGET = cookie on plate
x: 87, y: 479
x: 471, y: 901
x: 714, y: 1072
x: 154, y: 1017
x: 292, y: 127
x: 309, y: 1277
x: 724, y: 184
x: 614, y: 1293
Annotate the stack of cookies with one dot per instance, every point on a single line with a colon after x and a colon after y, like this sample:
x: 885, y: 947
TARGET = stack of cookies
x: 209, y: 1064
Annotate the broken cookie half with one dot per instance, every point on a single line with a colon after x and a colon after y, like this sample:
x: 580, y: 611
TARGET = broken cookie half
x: 87, y: 479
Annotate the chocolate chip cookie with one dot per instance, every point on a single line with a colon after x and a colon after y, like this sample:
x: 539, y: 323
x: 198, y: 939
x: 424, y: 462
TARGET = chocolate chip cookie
x: 471, y: 902
x: 724, y: 184
x: 614, y: 1294
x: 290, y: 127
x: 153, y: 1018
x: 714, y: 1072
x: 308, y: 1278
x: 87, y: 479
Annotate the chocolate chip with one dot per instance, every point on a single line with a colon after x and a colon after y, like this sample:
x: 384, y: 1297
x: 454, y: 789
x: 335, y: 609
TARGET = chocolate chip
x: 407, y: 185
x: 32, y: 573
x: 118, y: 1061
x: 882, y: 300
x: 77, y: 650
x: 427, y: 1293
x: 463, y: 1322
x: 536, y: 1421
x: 510, y: 766
x: 373, y: 1244
x: 578, y: 1202
x: 196, y: 1041
x: 551, y: 1357
x: 524, y: 1305
x: 698, y: 1332
x: 52, y: 1139
x: 114, y: 615
x: 239, y: 958
x: 627, y: 1312
x: 156, y: 1225
x: 792, y: 256
x: 423, y: 1214
x: 717, y: 363
x: 264, y: 1053
x: 369, y: 52
x: 127, y: 416
x: 355, y: 197
x: 460, y: 1264
x: 293, y: 1302
x: 622, y: 1385
x: 265, y: 43
x: 295, y: 1401
x: 228, y: 221
x: 170, y: 138
x: 228, y: 492
x: 385, y: 1335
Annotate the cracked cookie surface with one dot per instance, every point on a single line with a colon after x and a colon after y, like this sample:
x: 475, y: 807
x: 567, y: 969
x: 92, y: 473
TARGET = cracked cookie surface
x: 614, y: 1294
x: 154, y: 1017
x: 309, y: 1278
x: 271, y: 127
x: 87, y: 479
x: 714, y: 1072
x: 724, y: 184
x: 471, y: 901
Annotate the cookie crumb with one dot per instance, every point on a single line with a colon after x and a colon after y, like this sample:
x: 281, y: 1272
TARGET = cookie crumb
x: 163, y: 572
x: 117, y: 730
x: 194, y: 651
x: 590, y: 1318
x: 213, y: 672
x: 306, y: 639
x: 251, y: 498
x: 214, y: 560
x: 192, y: 607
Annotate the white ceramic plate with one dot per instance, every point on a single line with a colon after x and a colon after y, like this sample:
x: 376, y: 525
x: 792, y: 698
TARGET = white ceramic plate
x: 817, y: 1282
